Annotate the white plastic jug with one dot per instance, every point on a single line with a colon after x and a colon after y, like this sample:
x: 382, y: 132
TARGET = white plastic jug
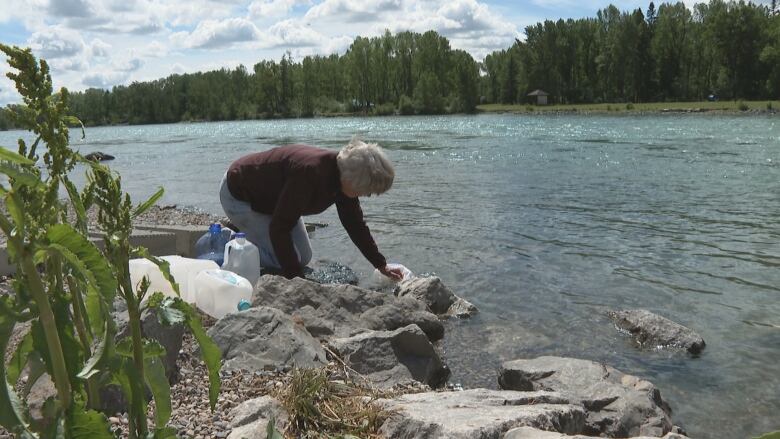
x: 380, y: 280
x: 243, y: 258
x: 144, y: 267
x: 184, y: 271
x: 218, y: 292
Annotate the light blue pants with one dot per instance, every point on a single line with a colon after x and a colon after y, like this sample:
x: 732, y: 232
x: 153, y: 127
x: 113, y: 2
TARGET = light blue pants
x: 256, y: 224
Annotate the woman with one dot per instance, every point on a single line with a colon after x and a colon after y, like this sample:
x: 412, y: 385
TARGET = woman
x: 265, y: 194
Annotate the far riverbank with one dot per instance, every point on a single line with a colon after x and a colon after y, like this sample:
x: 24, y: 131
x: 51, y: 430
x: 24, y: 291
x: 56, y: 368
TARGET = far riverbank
x: 649, y: 108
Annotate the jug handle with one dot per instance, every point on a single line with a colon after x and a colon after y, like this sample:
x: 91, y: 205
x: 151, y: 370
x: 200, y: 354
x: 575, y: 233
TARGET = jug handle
x: 225, y: 256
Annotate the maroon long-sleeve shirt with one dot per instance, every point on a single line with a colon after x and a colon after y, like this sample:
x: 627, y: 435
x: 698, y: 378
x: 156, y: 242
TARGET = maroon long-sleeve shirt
x: 295, y: 180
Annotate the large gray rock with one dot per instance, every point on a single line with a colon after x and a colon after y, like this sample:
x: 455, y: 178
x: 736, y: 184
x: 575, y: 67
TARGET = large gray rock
x: 250, y: 419
x: 440, y: 299
x: 618, y: 405
x: 477, y: 414
x: 264, y: 337
x: 535, y: 433
x: 337, y: 311
x: 388, y: 358
x: 652, y: 330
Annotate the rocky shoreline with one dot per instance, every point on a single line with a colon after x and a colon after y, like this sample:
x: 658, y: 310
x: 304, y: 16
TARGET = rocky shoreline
x: 389, y: 343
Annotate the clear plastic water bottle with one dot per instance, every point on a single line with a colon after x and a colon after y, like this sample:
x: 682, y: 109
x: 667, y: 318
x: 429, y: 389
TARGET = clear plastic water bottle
x: 212, y: 244
x: 243, y: 258
x: 243, y: 305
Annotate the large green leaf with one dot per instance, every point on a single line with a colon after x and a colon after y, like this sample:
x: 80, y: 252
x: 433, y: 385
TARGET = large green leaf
x: 19, y: 360
x: 84, y: 257
x: 16, y: 210
x: 94, y: 301
x: 11, y: 408
x: 87, y: 424
x: 209, y: 350
x: 143, y: 207
x: 154, y: 375
x: 97, y: 357
x: 10, y: 156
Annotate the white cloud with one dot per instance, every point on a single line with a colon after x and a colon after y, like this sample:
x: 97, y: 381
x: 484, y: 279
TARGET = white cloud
x: 213, y: 34
x: 99, y: 48
x: 292, y: 33
x: 353, y: 10
x: 178, y: 68
x: 468, y: 24
x: 155, y: 49
x: 128, y: 65
x: 70, y: 8
x: 57, y: 42
x: 261, y: 9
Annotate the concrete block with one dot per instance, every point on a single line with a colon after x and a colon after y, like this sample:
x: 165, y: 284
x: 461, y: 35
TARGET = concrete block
x: 185, y: 236
x: 158, y: 243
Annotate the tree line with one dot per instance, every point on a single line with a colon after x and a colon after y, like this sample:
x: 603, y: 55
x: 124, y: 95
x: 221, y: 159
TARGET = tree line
x: 671, y: 53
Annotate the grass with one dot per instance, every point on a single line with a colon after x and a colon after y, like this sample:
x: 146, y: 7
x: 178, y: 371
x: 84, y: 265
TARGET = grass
x: 331, y: 403
x: 723, y: 106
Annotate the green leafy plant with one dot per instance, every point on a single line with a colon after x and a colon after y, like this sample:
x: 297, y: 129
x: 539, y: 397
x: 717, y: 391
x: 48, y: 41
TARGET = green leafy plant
x: 742, y: 106
x: 65, y: 286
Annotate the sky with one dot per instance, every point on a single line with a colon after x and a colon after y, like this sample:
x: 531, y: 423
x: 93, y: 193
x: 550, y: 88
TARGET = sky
x: 102, y: 43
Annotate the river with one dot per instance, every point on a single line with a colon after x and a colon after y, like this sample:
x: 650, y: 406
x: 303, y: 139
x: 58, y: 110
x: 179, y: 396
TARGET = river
x: 545, y: 222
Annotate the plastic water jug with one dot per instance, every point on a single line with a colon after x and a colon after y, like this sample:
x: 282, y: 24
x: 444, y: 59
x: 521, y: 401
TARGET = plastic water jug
x: 211, y: 245
x: 144, y: 267
x: 218, y: 292
x: 381, y: 280
x: 184, y: 270
x: 243, y: 258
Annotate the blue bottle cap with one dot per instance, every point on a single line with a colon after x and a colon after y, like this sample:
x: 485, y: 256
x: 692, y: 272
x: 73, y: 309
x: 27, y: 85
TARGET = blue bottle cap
x: 215, y: 228
x: 243, y: 305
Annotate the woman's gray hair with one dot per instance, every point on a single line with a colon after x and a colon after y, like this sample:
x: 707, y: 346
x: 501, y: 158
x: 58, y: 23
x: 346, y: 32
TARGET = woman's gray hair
x: 365, y: 167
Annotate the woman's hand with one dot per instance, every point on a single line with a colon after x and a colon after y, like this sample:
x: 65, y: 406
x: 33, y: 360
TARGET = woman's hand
x: 393, y: 273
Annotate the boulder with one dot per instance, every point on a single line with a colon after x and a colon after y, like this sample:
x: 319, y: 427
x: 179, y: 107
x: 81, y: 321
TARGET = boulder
x: 250, y: 419
x: 98, y: 156
x: 618, y: 405
x: 338, y: 311
x: 263, y: 337
x: 440, y: 299
x: 477, y: 414
x: 652, y: 330
x: 389, y: 358
x: 534, y: 433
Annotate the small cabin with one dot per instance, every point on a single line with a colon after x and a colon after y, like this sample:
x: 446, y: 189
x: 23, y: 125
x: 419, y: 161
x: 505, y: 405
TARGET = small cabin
x: 541, y: 96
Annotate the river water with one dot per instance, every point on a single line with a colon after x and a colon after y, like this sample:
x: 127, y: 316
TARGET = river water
x: 546, y: 222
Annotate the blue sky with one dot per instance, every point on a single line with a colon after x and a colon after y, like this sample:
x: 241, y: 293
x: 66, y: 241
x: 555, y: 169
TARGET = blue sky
x: 102, y: 43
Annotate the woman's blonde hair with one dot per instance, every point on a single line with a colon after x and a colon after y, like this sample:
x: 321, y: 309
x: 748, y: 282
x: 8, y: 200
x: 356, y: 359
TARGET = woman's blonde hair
x: 365, y: 167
